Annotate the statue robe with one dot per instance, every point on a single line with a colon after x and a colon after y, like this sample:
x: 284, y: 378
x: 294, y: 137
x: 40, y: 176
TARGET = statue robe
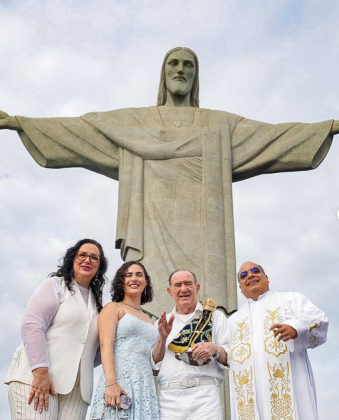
x: 175, y: 180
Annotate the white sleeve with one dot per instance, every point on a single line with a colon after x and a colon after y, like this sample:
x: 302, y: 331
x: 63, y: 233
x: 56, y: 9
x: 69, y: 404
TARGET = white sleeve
x: 38, y: 316
x: 308, y: 320
x: 220, y: 333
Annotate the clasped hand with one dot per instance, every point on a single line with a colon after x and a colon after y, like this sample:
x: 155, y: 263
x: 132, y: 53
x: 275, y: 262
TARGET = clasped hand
x: 204, y: 351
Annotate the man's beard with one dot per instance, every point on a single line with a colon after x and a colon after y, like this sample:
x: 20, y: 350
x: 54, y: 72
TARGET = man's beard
x: 180, y: 92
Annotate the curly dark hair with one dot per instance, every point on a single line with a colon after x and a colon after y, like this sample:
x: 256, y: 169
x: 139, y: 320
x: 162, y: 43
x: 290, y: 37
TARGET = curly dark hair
x: 117, y: 286
x: 66, y: 270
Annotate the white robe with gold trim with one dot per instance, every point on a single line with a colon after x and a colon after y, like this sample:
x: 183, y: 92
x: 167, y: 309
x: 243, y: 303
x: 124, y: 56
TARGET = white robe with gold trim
x: 249, y: 323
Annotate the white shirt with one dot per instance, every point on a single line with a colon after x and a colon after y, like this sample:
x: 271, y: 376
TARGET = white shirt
x: 173, y: 370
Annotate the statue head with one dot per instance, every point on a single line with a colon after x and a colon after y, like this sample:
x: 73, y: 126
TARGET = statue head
x: 194, y: 93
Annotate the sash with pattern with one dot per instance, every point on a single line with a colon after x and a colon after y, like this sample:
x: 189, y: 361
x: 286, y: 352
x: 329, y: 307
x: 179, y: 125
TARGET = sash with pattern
x: 277, y: 375
x: 197, y: 331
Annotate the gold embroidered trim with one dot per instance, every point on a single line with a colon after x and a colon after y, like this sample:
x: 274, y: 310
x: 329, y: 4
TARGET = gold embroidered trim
x: 315, y: 325
x: 314, y: 329
x: 280, y: 388
x: 241, y: 347
x: 243, y: 388
x: 272, y: 344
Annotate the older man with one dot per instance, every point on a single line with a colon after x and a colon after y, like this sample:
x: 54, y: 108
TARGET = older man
x: 271, y: 374
x: 189, y: 392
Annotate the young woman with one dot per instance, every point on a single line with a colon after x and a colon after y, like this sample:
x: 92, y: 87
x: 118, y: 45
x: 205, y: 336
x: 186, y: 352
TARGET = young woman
x: 127, y: 336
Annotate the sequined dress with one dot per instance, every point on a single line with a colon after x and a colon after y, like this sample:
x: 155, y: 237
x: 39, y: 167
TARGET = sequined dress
x: 132, y: 359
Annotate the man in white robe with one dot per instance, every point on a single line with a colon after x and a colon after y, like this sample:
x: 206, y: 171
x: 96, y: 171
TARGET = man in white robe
x: 271, y: 376
x: 175, y: 164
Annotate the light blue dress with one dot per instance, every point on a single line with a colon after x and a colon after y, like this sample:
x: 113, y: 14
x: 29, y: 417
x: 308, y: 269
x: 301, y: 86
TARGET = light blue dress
x: 132, y: 360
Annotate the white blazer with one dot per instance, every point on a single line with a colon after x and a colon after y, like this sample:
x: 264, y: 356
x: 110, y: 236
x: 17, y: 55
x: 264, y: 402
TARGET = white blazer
x: 71, y: 339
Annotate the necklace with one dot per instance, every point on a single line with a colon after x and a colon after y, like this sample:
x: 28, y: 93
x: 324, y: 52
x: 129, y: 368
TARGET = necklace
x: 138, y: 309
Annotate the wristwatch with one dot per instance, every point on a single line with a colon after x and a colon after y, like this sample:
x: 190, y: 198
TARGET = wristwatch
x: 217, y: 354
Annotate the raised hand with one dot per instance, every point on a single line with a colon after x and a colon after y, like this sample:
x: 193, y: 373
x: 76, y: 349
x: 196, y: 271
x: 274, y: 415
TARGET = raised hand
x: 165, y: 327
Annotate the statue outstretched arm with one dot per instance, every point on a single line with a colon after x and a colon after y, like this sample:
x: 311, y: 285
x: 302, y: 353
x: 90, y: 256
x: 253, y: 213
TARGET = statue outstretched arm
x: 9, y: 123
x: 335, y: 127
x: 261, y: 148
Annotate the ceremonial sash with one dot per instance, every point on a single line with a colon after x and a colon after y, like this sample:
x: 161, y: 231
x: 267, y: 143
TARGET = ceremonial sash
x: 197, y: 331
x: 276, y: 374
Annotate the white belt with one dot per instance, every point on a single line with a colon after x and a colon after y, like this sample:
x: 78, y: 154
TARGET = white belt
x: 189, y: 383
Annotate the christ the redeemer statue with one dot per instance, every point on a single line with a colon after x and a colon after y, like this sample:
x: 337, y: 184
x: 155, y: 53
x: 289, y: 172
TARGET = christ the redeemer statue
x: 175, y: 163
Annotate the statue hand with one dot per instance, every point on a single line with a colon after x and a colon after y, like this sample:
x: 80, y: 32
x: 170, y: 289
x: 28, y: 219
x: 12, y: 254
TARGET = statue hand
x: 8, y: 123
x: 3, y: 115
x: 335, y: 127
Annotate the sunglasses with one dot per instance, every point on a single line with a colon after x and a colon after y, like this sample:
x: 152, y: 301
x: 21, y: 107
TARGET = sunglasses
x: 253, y: 270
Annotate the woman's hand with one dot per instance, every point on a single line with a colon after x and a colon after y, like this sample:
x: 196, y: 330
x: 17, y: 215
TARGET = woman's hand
x: 8, y: 122
x: 112, y: 395
x: 41, y: 388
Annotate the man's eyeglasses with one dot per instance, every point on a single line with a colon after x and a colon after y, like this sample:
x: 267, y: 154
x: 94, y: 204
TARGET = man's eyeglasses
x: 253, y: 270
x: 94, y: 258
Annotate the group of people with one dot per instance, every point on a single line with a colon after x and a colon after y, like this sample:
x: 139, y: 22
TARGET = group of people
x: 66, y: 332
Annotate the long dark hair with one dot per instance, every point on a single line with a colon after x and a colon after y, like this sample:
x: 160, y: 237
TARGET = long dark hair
x: 162, y: 93
x: 117, y: 286
x: 66, y: 270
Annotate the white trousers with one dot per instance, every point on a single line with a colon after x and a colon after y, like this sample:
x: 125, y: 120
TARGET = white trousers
x: 201, y: 402
x: 61, y: 407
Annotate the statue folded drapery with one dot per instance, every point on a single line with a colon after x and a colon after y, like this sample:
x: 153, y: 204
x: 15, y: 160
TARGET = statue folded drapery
x: 175, y: 167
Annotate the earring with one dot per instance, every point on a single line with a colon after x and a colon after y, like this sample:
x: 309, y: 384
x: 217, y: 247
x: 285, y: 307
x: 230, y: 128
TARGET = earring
x: 145, y: 291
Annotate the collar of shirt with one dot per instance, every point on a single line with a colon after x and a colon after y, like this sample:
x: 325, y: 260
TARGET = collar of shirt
x: 250, y: 300
x: 197, y: 310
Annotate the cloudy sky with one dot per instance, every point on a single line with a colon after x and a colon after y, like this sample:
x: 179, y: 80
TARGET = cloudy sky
x: 274, y: 61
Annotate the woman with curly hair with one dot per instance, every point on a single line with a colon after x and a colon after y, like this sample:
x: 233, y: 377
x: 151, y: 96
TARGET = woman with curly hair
x: 127, y: 336
x: 51, y: 374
